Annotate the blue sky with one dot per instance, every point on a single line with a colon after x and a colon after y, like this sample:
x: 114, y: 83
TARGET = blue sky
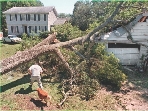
x: 62, y: 6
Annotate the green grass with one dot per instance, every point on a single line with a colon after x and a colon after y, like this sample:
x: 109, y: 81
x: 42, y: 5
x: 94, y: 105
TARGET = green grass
x: 7, y: 49
x: 15, y: 89
x: 16, y: 95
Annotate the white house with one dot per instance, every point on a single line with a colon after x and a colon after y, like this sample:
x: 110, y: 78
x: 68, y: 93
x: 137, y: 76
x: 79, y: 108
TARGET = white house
x: 125, y: 50
x: 27, y: 19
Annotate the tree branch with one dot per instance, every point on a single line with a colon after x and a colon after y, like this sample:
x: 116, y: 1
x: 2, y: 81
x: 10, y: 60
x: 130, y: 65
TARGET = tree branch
x: 25, y: 56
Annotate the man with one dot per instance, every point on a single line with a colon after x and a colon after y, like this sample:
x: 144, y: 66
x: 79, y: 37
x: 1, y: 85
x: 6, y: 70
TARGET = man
x: 35, y: 71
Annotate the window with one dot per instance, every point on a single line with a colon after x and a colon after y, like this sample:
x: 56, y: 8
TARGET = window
x: 11, y: 29
x: 29, y: 29
x: 122, y: 45
x: 10, y: 17
x: 32, y: 28
x: 45, y: 28
x: 16, y: 17
x: 20, y: 17
x: 42, y: 28
x: 39, y: 27
x: 14, y: 29
x: 35, y: 29
x: 44, y: 17
x: 34, y: 17
x: 28, y: 17
x: 17, y: 29
x: 23, y: 16
x: 38, y: 17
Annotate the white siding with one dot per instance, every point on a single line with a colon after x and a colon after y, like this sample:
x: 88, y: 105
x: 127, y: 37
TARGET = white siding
x: 50, y: 19
x: 127, y: 56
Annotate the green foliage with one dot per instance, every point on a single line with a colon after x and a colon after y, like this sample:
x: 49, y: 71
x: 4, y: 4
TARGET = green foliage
x: 100, y: 67
x: 81, y: 15
x: 67, y: 32
x: 107, y: 67
x: 63, y: 15
x: 85, y: 12
x: 44, y: 34
x: 28, y: 41
x: 88, y: 86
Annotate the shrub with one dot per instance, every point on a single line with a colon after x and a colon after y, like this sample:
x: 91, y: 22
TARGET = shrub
x: 28, y: 41
x: 106, y: 67
x: 67, y: 32
x: 44, y: 34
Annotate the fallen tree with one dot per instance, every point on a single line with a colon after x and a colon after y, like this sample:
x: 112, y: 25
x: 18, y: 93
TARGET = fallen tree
x: 12, y: 62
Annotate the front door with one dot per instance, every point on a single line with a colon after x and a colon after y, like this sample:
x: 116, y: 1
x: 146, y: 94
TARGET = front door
x: 25, y: 29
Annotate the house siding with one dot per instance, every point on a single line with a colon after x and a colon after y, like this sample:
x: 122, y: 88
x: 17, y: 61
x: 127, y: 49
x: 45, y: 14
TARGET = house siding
x: 51, y: 19
x: 22, y: 22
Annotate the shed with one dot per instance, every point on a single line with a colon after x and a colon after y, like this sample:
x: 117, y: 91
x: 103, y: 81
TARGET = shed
x: 122, y: 47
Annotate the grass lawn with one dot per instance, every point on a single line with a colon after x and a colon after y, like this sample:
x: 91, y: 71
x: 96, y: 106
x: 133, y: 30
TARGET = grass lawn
x: 17, y: 95
x: 7, y: 49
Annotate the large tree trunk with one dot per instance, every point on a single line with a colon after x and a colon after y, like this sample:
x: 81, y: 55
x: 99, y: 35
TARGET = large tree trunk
x: 25, y: 56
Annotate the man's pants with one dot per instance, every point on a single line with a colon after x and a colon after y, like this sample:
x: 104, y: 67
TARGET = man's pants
x: 38, y: 79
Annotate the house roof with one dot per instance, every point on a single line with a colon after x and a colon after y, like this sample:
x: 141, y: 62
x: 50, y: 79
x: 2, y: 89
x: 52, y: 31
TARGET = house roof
x: 60, y: 21
x: 27, y: 10
x: 122, y: 30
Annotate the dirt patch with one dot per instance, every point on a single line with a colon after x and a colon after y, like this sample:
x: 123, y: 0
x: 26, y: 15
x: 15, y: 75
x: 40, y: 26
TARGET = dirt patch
x: 26, y: 102
x: 131, y: 97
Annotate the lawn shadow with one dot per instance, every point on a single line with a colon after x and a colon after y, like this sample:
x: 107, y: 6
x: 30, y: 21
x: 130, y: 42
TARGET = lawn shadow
x: 26, y: 91
x: 38, y: 103
x: 23, y: 80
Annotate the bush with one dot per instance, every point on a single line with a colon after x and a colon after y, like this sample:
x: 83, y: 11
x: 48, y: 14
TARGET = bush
x: 44, y: 34
x: 67, y: 32
x: 28, y: 41
x: 107, y: 67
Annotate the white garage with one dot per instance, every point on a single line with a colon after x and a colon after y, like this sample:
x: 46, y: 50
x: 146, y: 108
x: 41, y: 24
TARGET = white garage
x: 129, y: 42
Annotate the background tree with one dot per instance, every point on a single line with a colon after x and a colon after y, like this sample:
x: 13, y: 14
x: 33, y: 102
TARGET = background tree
x: 85, y: 13
x: 63, y: 15
x: 5, y: 5
x: 82, y: 15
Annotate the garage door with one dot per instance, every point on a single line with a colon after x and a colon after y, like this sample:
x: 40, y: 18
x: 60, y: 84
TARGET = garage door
x: 129, y: 55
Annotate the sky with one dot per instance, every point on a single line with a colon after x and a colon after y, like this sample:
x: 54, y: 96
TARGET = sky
x: 61, y: 6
